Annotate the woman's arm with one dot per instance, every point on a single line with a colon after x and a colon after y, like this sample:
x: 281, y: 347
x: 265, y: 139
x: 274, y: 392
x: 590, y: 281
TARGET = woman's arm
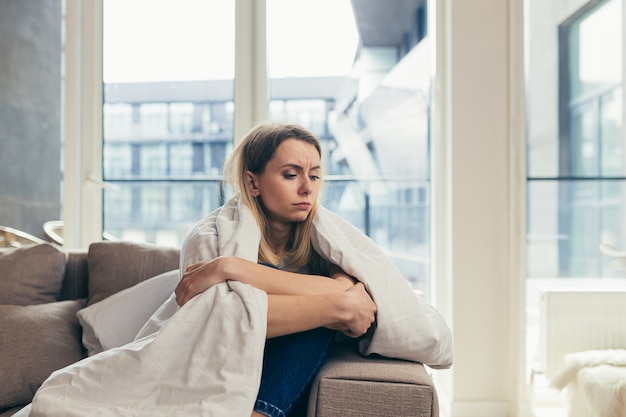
x: 351, y: 312
x: 296, y: 302
x: 203, y: 275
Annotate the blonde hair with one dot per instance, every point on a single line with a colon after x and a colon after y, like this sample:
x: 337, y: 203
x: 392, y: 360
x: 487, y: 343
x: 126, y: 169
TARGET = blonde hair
x: 252, y: 154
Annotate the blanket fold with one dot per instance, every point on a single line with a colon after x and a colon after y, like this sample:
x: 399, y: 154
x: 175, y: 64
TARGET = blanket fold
x: 206, y: 357
x: 177, y: 371
x: 407, y: 327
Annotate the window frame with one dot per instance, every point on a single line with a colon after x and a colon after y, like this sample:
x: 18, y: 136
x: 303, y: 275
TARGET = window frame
x: 82, y: 132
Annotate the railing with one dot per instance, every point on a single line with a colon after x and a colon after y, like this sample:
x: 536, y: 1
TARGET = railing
x: 393, y: 211
x: 13, y: 238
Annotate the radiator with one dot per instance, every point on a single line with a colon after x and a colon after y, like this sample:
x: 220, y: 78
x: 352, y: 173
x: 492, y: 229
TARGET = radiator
x: 577, y: 320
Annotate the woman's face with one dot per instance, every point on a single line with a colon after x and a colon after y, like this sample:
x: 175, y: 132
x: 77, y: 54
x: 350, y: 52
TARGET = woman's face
x: 290, y: 183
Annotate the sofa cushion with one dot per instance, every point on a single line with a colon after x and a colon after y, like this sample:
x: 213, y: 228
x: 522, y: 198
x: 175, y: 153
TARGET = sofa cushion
x: 31, y: 275
x: 36, y: 340
x: 115, y: 266
x: 117, y: 319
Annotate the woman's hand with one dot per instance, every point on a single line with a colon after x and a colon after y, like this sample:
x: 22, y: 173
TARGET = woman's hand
x: 359, y: 312
x: 199, y: 277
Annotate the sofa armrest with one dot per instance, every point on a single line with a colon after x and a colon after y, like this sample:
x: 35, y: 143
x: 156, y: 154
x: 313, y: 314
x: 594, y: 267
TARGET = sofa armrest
x: 350, y: 385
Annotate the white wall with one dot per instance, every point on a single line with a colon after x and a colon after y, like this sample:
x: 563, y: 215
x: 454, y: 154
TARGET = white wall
x: 483, y: 228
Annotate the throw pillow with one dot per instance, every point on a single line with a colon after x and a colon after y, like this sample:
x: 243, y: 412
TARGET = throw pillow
x: 35, y: 341
x: 117, y: 319
x: 115, y: 266
x: 31, y: 275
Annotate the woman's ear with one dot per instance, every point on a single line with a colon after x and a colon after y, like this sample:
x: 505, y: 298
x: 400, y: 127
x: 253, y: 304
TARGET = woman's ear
x: 251, y: 183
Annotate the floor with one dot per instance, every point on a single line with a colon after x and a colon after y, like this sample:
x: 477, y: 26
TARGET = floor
x: 547, y: 402
x: 550, y: 412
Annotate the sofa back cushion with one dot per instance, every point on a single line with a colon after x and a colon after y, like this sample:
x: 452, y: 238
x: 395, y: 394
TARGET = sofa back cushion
x: 31, y: 274
x: 36, y: 340
x: 114, y: 266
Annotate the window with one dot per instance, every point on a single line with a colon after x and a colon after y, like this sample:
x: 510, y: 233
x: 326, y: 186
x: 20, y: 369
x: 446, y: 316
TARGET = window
x: 592, y: 103
x: 362, y: 85
x: 181, y: 159
x: 168, y: 115
x: 575, y: 163
x: 575, y: 154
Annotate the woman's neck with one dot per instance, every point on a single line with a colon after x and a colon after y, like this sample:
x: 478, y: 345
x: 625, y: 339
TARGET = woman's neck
x: 278, y: 238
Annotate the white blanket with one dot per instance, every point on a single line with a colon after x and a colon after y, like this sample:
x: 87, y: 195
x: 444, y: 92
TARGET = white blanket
x: 595, y: 381
x: 205, y: 358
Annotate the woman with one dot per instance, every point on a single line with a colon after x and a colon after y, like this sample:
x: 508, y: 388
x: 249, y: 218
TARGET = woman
x: 267, y: 281
x: 276, y: 171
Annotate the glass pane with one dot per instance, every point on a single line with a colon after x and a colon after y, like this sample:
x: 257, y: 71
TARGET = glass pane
x: 567, y: 221
x: 584, y: 138
x: 168, y: 114
x: 596, y: 49
x: 585, y: 141
x: 31, y: 50
x: 170, y: 204
x: 611, y: 132
x: 362, y: 84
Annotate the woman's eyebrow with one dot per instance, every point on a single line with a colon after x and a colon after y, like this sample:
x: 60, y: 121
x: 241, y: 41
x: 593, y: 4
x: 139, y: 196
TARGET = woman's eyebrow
x: 299, y: 167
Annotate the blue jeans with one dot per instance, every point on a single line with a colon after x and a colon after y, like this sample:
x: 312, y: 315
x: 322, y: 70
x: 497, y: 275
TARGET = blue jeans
x: 290, y: 364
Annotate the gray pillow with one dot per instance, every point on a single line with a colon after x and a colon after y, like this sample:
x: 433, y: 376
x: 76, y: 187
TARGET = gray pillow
x: 115, y: 266
x: 34, y: 342
x: 31, y: 275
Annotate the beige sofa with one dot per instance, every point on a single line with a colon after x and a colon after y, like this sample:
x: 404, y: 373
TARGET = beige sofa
x: 43, y: 287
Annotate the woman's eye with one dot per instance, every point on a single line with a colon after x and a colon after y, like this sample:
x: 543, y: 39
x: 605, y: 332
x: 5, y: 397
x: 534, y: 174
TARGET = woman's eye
x: 289, y: 176
x: 315, y: 177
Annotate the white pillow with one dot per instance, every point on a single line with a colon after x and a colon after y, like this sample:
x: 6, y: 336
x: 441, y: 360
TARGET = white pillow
x: 116, y: 320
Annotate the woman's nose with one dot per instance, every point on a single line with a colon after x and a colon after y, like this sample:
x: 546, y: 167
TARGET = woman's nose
x: 306, y: 186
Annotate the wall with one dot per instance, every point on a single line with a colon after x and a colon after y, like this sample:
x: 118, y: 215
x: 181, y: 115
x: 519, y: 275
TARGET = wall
x: 482, y: 228
x: 30, y: 103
